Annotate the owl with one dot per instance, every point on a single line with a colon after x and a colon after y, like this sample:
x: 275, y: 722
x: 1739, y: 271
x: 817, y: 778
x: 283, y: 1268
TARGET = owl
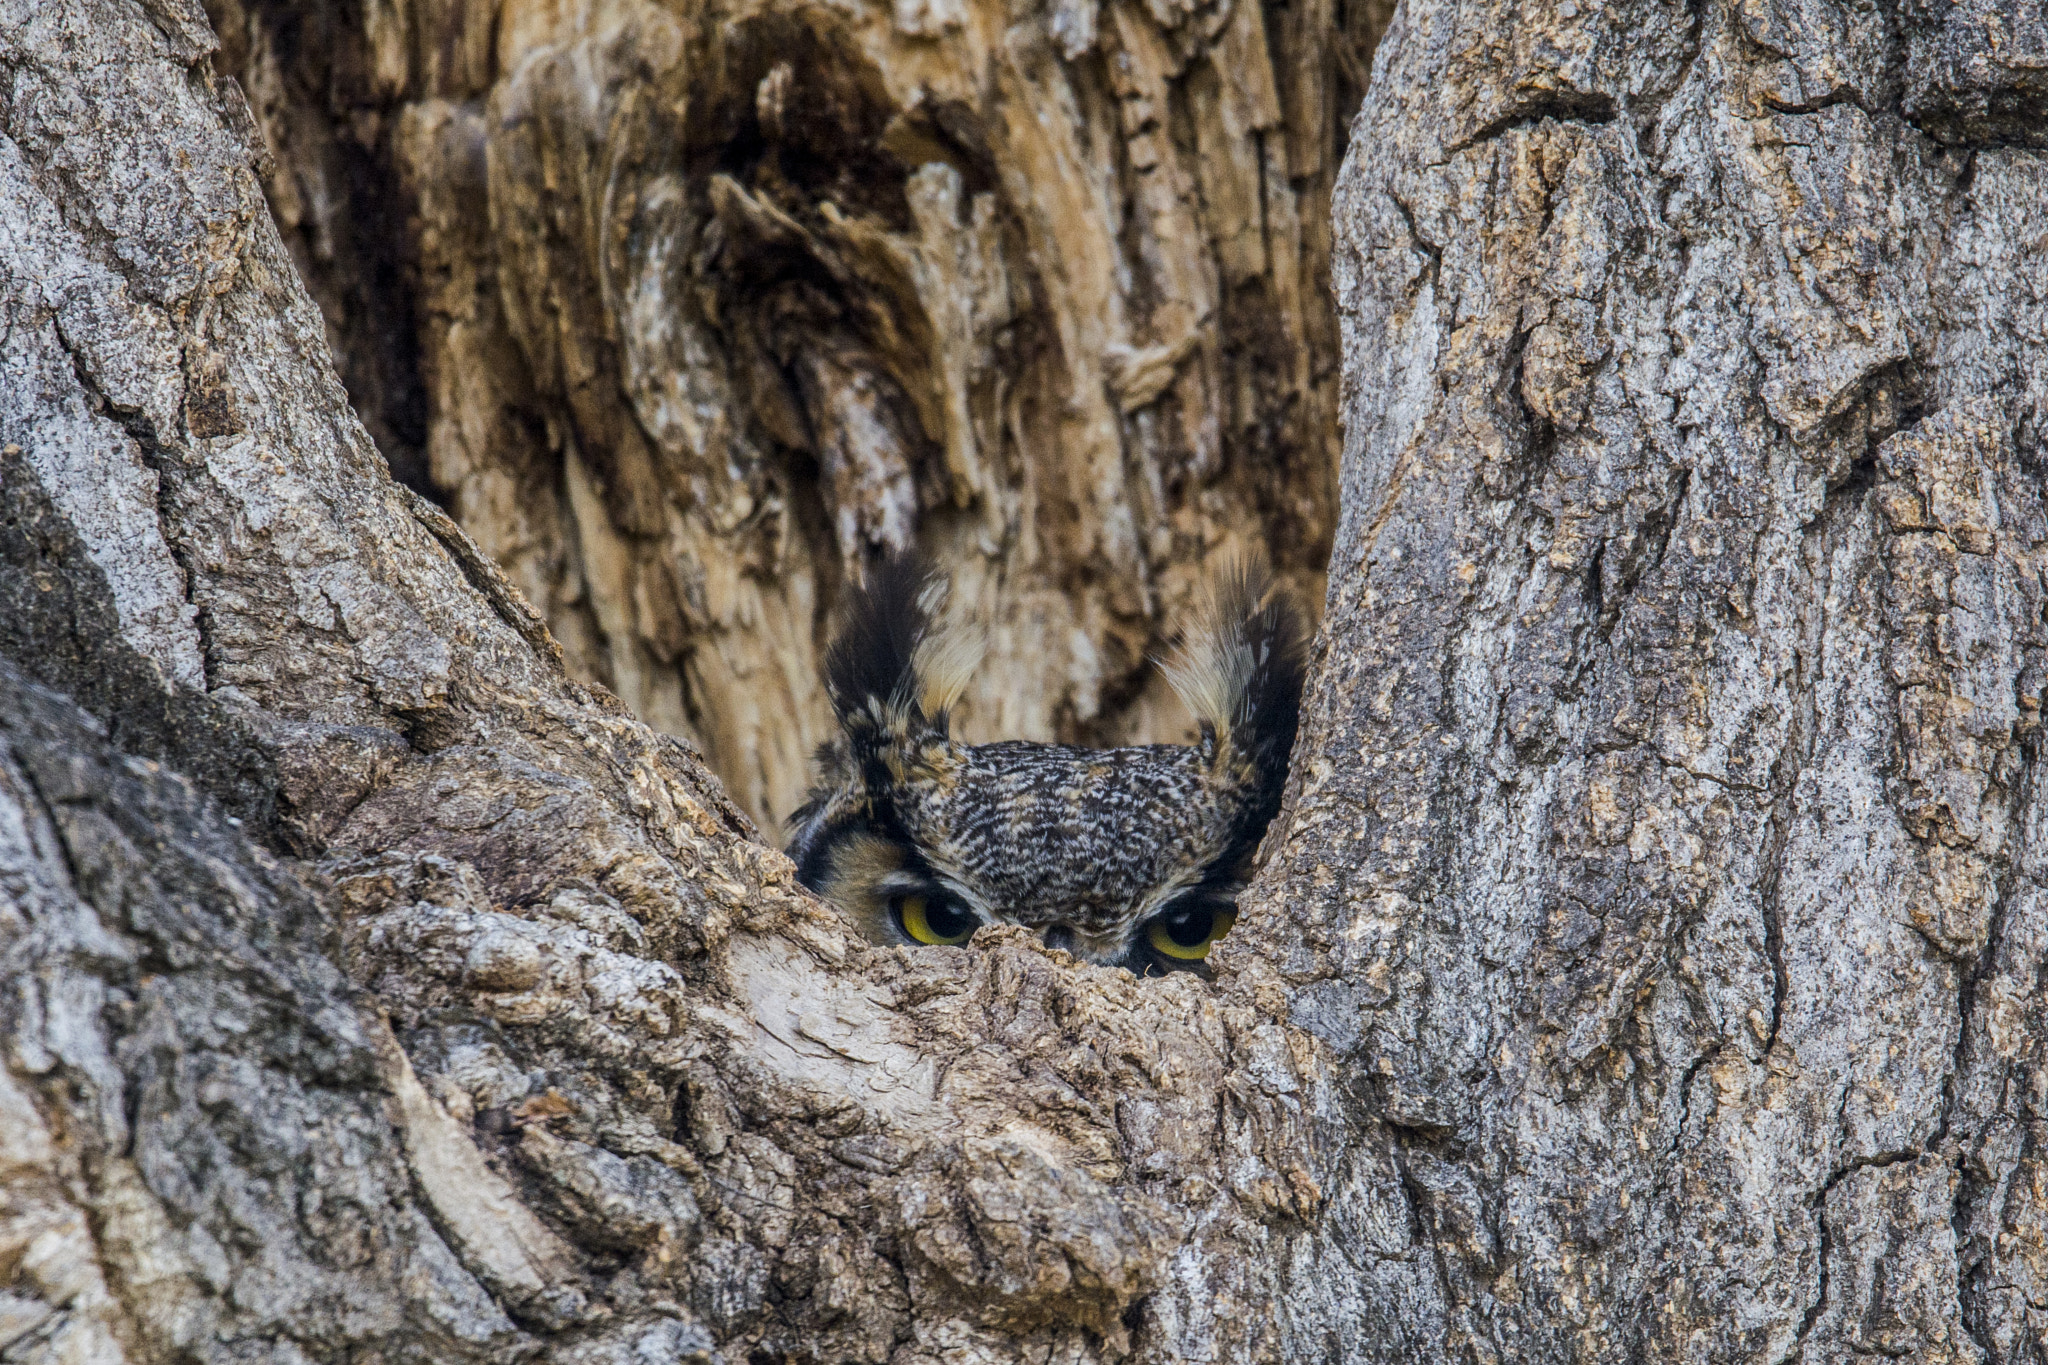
x: 1131, y: 857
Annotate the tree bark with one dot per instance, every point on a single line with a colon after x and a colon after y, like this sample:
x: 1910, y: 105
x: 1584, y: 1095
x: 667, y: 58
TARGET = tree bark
x: 1668, y: 836
x: 684, y: 310
x: 1646, y: 965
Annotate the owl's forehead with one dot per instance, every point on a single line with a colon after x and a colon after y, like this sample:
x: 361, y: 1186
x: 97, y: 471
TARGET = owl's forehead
x: 1045, y: 833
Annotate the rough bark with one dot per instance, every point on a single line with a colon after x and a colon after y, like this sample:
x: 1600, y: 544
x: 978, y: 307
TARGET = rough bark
x: 682, y: 310
x: 1667, y: 853
x: 377, y: 991
x: 1647, y: 966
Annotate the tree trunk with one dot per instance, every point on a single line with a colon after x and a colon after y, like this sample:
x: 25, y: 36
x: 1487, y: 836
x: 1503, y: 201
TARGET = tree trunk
x: 682, y: 311
x: 1668, y: 839
x: 1647, y: 961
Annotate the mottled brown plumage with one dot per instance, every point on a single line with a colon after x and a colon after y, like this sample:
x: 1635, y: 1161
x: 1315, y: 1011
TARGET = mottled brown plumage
x: 1131, y: 856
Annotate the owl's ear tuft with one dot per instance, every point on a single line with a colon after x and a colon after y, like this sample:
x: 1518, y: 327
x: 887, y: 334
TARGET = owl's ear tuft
x: 869, y: 669
x: 944, y: 663
x: 1240, y: 672
x: 890, y: 670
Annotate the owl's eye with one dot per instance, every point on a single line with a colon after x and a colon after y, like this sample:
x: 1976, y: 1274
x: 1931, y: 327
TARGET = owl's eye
x: 929, y: 920
x: 1187, y: 934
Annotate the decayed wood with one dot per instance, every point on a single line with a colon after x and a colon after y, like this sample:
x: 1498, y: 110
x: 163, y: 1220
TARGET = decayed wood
x: 705, y: 305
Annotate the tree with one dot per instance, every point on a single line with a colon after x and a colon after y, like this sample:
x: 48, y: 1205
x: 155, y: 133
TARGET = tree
x: 1646, y: 964
x: 1667, y: 828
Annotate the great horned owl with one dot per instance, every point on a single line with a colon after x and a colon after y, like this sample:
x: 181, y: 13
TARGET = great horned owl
x: 1132, y: 857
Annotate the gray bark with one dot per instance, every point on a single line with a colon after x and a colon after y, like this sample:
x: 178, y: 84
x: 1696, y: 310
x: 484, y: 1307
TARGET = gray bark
x: 1669, y: 831
x: 1646, y: 966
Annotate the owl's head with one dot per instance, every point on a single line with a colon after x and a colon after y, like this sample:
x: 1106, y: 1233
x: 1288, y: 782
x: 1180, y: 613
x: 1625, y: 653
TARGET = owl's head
x: 1132, y: 857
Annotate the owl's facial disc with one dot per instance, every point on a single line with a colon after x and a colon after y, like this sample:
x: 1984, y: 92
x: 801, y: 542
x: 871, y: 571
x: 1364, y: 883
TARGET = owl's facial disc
x: 889, y: 891
x: 900, y: 899
x: 1175, y: 939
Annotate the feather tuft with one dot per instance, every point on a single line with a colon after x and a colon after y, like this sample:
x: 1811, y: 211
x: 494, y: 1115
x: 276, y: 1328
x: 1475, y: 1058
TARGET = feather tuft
x: 890, y: 667
x: 1240, y: 672
x: 870, y: 668
x: 944, y: 663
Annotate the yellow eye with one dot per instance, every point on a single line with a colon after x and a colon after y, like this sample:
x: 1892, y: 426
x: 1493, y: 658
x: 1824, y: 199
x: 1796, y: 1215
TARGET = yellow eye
x: 935, y: 922
x: 1188, y: 934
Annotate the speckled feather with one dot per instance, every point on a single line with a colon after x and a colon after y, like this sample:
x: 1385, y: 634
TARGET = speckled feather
x: 1045, y: 834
